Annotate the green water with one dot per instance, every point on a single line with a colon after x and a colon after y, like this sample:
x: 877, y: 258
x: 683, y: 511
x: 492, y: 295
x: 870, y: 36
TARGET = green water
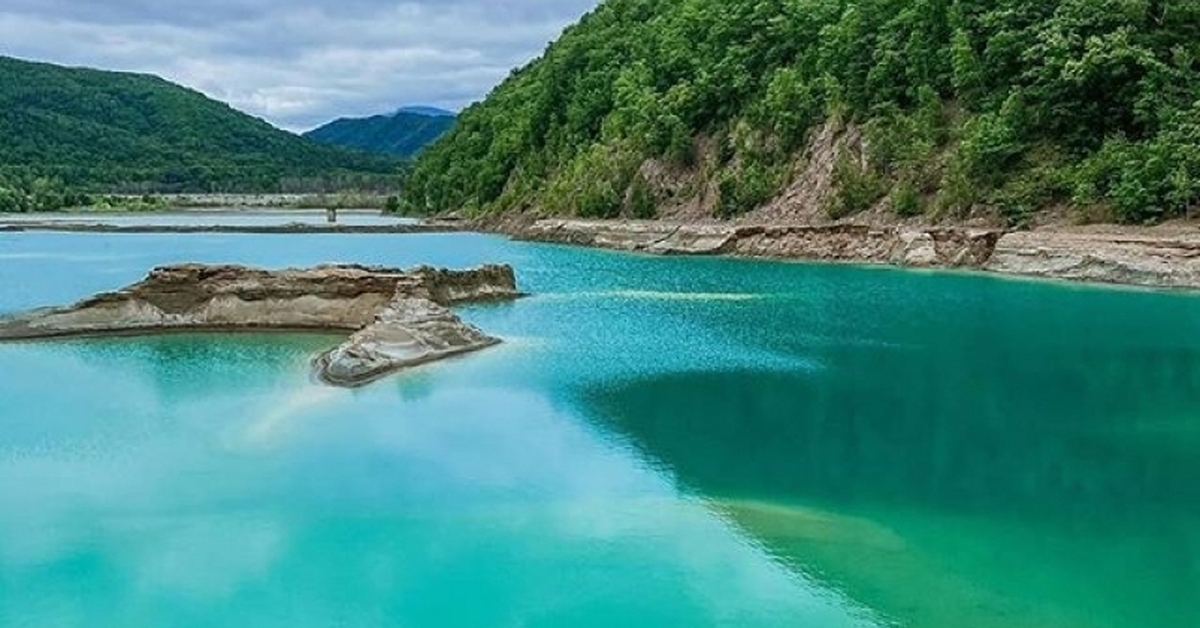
x: 660, y: 442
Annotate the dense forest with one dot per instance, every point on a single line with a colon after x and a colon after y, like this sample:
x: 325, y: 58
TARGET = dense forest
x: 960, y: 107
x: 401, y: 134
x: 69, y: 132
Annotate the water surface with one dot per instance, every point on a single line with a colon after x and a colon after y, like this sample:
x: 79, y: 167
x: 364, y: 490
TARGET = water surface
x: 229, y: 217
x: 660, y: 442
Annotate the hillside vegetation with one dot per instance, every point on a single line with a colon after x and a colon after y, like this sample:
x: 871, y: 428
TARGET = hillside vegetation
x: 947, y: 108
x: 68, y: 132
x: 402, y: 134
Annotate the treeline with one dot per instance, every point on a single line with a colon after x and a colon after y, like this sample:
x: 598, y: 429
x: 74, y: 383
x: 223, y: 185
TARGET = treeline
x: 35, y: 193
x: 962, y: 106
x: 69, y: 132
x: 38, y: 194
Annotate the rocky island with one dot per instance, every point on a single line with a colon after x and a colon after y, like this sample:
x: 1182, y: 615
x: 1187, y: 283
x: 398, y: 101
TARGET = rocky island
x: 398, y: 318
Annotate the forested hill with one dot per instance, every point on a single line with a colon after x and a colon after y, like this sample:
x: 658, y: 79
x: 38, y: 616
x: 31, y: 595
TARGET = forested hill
x: 402, y: 134
x: 108, y: 131
x: 941, y: 107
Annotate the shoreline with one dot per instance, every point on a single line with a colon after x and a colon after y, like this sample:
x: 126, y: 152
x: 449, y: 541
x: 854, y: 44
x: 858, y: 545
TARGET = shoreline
x: 1164, y: 257
x: 186, y: 210
x: 284, y: 229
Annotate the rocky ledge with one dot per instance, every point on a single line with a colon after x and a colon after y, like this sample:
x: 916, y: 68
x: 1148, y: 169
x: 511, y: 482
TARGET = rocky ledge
x: 904, y: 246
x: 399, y: 318
x: 1166, y: 256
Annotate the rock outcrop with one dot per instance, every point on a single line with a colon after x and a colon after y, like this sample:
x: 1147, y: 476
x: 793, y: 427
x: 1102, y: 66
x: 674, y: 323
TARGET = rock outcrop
x: 926, y: 247
x: 949, y: 247
x: 1164, y: 256
x: 399, y: 318
x: 1156, y: 257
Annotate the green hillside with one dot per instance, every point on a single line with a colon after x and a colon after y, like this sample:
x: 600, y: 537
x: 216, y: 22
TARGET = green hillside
x: 73, y: 130
x: 943, y: 107
x: 401, y: 134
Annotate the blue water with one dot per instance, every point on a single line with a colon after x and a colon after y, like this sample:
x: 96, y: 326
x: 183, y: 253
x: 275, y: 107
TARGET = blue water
x: 209, y: 218
x: 659, y: 442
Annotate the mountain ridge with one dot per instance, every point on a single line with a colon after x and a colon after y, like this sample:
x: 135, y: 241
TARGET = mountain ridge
x: 402, y: 133
x: 82, y: 129
x: 425, y: 110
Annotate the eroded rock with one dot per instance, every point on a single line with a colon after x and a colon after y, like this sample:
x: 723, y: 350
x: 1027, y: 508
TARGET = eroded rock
x: 1147, y: 257
x: 400, y: 318
x: 949, y: 247
x: 408, y: 331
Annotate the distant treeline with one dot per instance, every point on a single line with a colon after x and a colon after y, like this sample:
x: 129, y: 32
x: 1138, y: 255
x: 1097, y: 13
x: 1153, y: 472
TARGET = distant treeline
x: 73, y: 133
x: 20, y: 193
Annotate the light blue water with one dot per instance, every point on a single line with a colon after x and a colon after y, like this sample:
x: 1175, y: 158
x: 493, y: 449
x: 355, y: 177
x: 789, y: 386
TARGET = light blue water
x: 210, y: 218
x: 660, y: 442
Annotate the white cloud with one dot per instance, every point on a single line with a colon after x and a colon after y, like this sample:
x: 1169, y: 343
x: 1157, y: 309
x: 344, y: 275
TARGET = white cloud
x: 297, y: 64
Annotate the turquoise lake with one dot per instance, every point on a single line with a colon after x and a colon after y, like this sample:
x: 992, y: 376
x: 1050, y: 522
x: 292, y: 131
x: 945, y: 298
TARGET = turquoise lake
x: 227, y: 217
x: 659, y: 442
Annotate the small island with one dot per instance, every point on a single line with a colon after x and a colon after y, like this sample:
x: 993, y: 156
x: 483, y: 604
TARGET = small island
x: 397, y: 318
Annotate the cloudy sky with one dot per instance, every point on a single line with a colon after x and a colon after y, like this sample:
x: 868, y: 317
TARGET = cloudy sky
x: 297, y: 63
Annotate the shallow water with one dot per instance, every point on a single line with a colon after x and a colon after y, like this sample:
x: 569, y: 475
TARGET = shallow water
x: 213, y: 218
x: 660, y: 442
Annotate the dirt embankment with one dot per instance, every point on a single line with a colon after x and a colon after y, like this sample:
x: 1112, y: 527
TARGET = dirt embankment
x: 1167, y: 256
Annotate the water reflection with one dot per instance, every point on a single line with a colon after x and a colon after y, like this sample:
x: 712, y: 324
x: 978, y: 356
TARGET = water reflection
x: 941, y: 493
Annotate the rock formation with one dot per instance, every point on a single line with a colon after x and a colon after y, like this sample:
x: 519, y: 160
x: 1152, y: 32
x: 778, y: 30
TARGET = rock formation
x: 399, y: 318
x: 918, y: 247
x: 1155, y: 257
x: 1166, y: 256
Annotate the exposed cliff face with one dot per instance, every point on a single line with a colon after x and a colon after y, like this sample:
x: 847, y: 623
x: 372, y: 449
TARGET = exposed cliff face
x: 1159, y: 257
x: 837, y: 242
x: 493, y: 282
x: 400, y: 316
x: 927, y: 247
x: 1153, y: 257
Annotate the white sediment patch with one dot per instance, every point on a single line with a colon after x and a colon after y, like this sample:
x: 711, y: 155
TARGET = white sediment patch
x: 271, y: 425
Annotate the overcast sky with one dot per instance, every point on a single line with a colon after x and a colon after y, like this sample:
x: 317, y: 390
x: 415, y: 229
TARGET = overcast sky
x: 297, y: 63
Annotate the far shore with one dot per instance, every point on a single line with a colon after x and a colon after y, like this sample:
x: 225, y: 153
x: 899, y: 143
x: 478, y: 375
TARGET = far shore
x: 236, y: 201
x: 1164, y: 256
x: 222, y: 220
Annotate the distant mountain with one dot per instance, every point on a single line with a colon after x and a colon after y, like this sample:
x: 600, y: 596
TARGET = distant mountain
x: 402, y: 134
x: 92, y: 130
x: 427, y: 111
